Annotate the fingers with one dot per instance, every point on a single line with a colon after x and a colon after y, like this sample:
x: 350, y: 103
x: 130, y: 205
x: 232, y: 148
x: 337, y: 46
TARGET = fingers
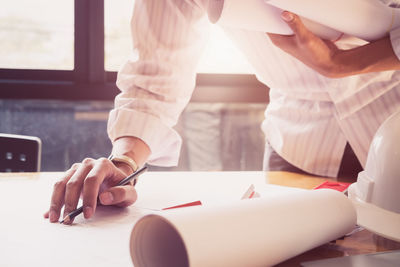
x: 46, y: 214
x: 74, y: 185
x: 286, y: 42
x: 282, y: 41
x: 57, y: 198
x: 301, y: 42
x: 88, y: 179
x: 121, y: 196
x: 300, y: 32
x: 294, y: 22
x: 92, y: 184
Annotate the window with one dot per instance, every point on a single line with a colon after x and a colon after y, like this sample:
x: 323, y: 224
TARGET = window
x: 118, y: 42
x: 37, y: 34
x: 220, y: 55
x: 71, y: 50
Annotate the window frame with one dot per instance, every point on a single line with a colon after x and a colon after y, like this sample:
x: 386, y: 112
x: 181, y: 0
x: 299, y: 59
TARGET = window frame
x: 90, y: 81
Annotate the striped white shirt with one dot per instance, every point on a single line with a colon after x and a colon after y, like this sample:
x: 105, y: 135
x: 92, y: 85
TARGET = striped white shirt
x: 309, y: 118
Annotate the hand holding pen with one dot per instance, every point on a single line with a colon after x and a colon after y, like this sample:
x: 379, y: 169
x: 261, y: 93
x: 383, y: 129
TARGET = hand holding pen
x: 93, y: 180
x: 70, y: 216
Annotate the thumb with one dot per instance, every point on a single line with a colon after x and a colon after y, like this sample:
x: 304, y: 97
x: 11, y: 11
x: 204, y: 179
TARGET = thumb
x: 295, y: 23
x: 122, y: 196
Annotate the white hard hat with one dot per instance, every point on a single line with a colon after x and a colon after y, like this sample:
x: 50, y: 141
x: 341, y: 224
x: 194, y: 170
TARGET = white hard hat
x: 376, y: 194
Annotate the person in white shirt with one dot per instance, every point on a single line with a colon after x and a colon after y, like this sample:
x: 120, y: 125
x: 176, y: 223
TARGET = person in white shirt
x: 324, y: 97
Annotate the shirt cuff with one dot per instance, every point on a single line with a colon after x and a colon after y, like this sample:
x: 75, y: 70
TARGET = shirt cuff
x: 163, y: 141
x: 395, y: 39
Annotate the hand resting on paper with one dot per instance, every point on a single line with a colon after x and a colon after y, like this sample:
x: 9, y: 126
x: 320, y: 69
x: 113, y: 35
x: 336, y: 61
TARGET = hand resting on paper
x: 327, y: 59
x: 94, y: 180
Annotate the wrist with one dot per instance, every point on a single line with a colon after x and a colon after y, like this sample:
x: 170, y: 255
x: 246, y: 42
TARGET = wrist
x: 127, y: 170
x: 345, y: 64
x: 132, y: 147
x: 124, y: 162
x: 341, y: 65
x: 372, y: 57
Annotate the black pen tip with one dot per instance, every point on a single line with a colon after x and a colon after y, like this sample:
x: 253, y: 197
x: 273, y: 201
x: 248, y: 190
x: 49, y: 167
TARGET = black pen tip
x: 66, y: 220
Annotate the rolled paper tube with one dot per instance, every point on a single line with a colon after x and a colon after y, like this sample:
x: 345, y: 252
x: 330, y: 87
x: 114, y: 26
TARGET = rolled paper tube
x: 252, y: 232
x: 366, y: 19
x: 256, y: 15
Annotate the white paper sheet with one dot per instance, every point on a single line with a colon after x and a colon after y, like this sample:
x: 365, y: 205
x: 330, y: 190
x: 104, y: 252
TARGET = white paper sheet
x: 185, y: 187
x: 256, y: 15
x: 27, y: 239
x: 366, y: 19
x: 254, y: 232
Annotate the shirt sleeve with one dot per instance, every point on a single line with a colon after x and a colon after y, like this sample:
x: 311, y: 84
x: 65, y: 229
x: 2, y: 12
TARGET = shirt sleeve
x: 157, y: 82
x: 395, y: 39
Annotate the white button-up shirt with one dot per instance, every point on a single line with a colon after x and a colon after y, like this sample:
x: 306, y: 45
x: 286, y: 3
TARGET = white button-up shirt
x: 309, y: 118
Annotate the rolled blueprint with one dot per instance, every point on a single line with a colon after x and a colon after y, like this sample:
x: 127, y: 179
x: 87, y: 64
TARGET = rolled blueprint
x: 253, y: 232
x: 256, y: 15
x: 365, y: 19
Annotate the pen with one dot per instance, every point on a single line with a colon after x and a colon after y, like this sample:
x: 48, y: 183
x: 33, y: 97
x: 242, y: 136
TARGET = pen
x: 124, y: 181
